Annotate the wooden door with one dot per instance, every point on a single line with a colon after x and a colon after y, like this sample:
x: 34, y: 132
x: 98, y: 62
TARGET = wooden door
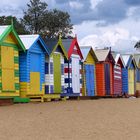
x: 57, y: 73
x: 107, y: 78
x: 75, y: 75
x: 7, y: 61
x: 131, y: 81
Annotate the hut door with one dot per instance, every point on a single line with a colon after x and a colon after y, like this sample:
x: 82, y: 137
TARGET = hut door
x: 75, y: 75
x: 57, y: 73
x: 89, y: 73
x: 35, y: 70
x: 7, y: 61
x: 125, y: 80
x: 131, y: 81
x: 107, y: 78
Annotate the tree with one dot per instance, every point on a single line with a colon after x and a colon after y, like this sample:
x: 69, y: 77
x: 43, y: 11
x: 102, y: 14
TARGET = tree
x: 137, y: 45
x: 6, y: 20
x: 37, y: 19
x: 34, y: 17
x: 58, y: 22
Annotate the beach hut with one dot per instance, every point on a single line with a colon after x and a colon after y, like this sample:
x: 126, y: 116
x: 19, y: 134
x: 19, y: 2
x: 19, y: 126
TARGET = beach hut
x: 119, y: 65
x: 32, y: 67
x: 10, y: 46
x: 128, y: 75
x: 89, y: 71
x: 54, y: 69
x: 73, y: 68
x: 104, y: 72
x: 137, y: 73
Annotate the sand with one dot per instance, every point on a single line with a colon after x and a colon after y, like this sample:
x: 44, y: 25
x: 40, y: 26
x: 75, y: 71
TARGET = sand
x: 104, y: 119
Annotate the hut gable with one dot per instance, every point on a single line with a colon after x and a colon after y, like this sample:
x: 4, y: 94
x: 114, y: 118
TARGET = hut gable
x: 55, y: 45
x: 104, y: 55
x: 118, y: 59
x: 72, y: 47
x: 137, y: 59
x: 9, y: 36
x: 88, y: 54
x: 34, y: 43
x: 129, y: 61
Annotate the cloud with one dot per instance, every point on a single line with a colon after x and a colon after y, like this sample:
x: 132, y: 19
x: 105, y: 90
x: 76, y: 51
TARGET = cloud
x: 94, y: 3
x: 75, y: 5
x: 121, y: 37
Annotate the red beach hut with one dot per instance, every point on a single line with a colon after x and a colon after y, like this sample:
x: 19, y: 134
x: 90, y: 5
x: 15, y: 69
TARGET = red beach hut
x: 104, y: 72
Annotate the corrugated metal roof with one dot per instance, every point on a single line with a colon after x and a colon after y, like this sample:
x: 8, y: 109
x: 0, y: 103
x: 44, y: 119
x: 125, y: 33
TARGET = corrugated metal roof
x: 3, y: 28
x: 85, y: 50
x: 51, y: 43
x: 28, y: 40
x: 125, y: 58
x: 102, y: 54
x: 67, y: 43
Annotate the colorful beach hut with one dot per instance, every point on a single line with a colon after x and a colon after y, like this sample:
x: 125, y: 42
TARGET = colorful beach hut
x: 32, y: 67
x: 10, y: 46
x: 54, y: 68
x: 119, y: 65
x: 89, y: 71
x: 104, y: 72
x: 73, y: 68
x: 137, y: 73
x: 128, y: 74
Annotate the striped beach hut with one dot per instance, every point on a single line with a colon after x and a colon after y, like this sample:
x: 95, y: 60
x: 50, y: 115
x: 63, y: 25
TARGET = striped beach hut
x: 10, y: 46
x: 89, y: 71
x: 137, y: 73
x: 32, y: 67
x: 54, y: 69
x: 73, y: 68
x: 104, y: 72
x: 119, y: 65
x: 128, y: 74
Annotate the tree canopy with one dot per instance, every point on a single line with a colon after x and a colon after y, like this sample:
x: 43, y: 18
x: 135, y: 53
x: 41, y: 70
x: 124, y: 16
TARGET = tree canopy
x: 39, y: 20
x: 20, y: 28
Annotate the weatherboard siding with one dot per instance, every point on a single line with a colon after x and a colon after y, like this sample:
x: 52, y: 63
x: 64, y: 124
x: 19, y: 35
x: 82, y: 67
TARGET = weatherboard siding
x: 32, y: 62
x: 68, y: 72
x: 49, y: 74
x: 9, y: 42
x: 89, y: 61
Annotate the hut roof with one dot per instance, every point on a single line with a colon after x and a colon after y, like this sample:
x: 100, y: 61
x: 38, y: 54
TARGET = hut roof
x: 137, y: 59
x: 6, y: 30
x: 29, y: 40
x: 53, y: 44
x: 85, y: 51
x: 69, y: 45
x: 102, y: 54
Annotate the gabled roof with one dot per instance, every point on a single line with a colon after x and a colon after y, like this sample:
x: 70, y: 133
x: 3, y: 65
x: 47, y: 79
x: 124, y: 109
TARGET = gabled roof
x: 128, y: 59
x: 137, y: 59
x: 30, y: 40
x: 69, y: 45
x: 6, y: 30
x: 104, y: 54
x: 52, y: 45
x: 86, y: 50
x: 118, y: 56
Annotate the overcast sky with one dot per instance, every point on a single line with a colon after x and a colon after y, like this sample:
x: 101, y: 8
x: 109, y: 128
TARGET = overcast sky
x: 97, y: 23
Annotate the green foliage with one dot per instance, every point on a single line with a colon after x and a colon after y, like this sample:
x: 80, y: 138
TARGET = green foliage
x: 37, y: 19
x: 7, y: 20
x: 33, y: 18
x: 58, y: 22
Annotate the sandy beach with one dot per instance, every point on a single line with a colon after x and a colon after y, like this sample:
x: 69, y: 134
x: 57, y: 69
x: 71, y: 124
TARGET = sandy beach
x: 104, y: 119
